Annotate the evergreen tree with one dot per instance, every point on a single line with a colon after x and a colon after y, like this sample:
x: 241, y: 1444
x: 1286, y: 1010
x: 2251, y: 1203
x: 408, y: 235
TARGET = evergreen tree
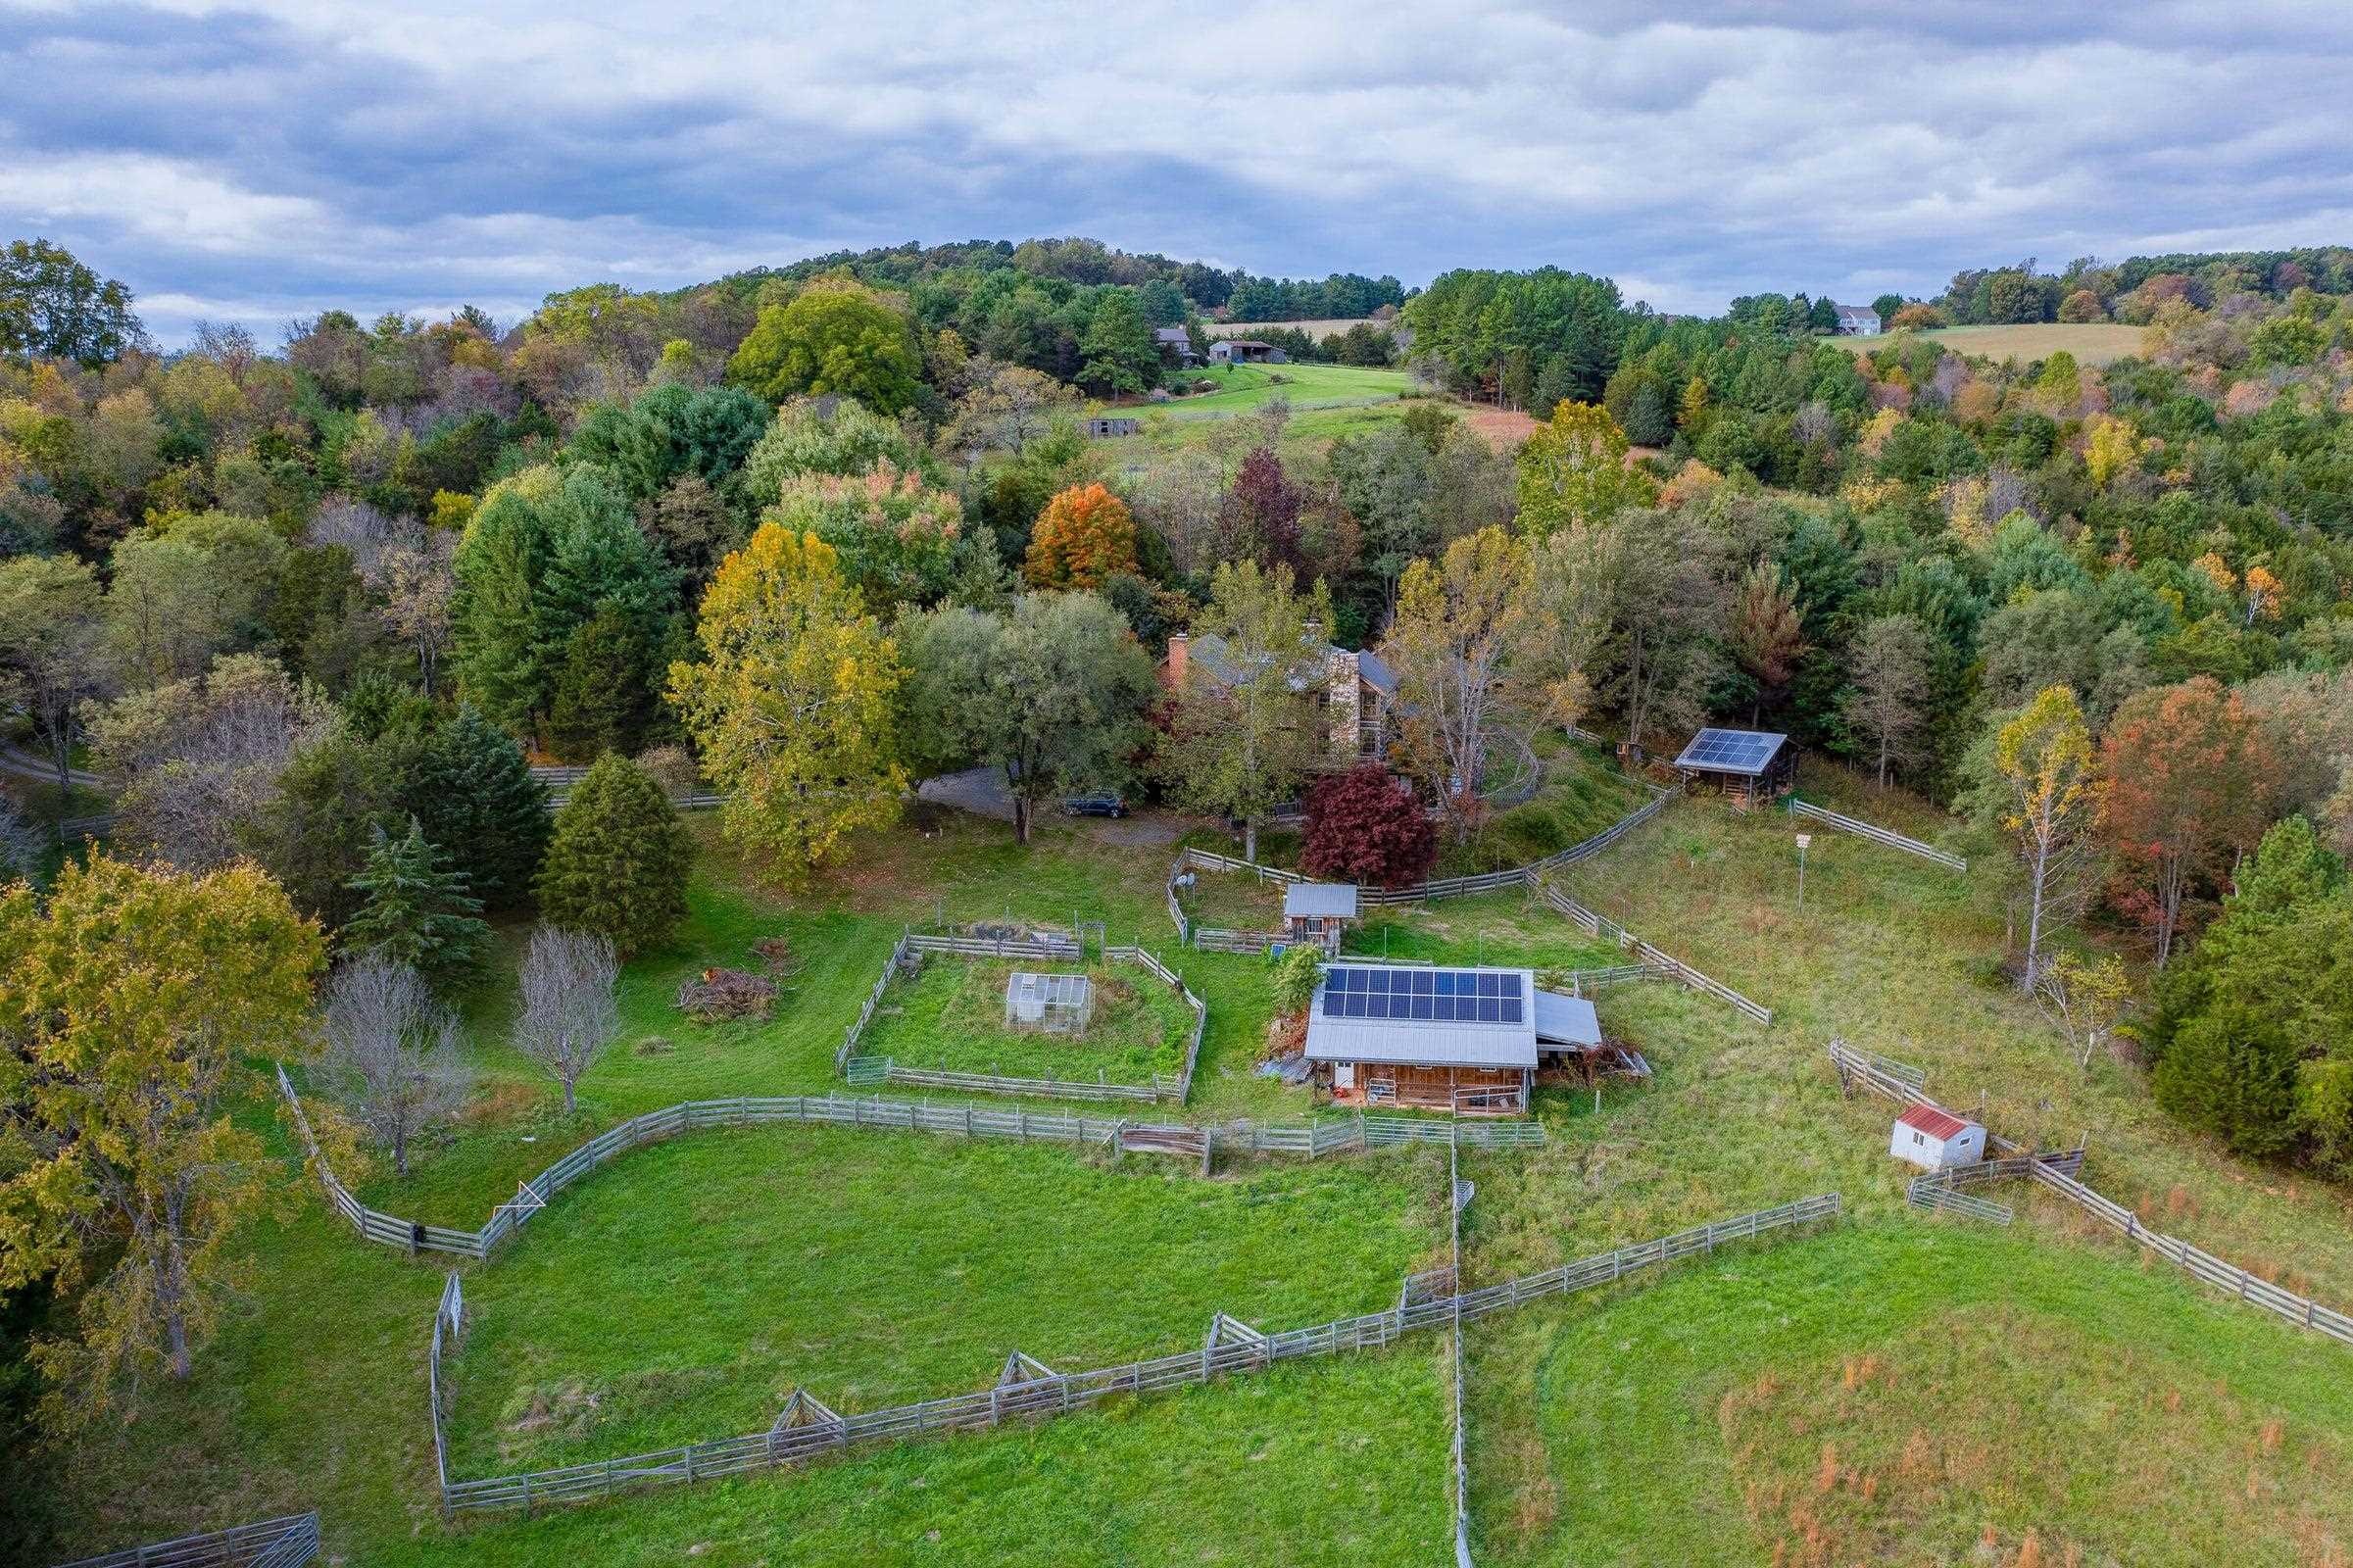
x: 470, y: 786
x: 604, y: 700
x: 415, y: 908
x: 619, y: 860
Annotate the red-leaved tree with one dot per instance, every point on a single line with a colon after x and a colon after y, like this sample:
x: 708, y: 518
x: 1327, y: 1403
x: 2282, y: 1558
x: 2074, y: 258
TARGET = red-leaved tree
x: 2188, y: 785
x: 1364, y: 827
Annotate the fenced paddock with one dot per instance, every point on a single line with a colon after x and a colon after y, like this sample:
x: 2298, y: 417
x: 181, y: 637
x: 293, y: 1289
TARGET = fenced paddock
x: 270, y: 1544
x: 1666, y: 964
x: 860, y: 1069
x: 807, y: 1429
x: 2060, y: 1174
x: 1876, y: 834
x: 1307, y: 1138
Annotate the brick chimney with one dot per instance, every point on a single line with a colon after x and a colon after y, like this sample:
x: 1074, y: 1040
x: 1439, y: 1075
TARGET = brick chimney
x: 1178, y: 645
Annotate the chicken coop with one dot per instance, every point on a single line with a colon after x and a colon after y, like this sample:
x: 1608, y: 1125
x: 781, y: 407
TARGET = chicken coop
x: 1050, y: 1003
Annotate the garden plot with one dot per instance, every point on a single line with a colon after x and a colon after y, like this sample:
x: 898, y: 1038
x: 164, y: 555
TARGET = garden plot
x: 951, y: 1015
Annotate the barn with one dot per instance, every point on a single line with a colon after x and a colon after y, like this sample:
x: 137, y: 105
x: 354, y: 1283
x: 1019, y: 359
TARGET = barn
x: 1461, y: 1040
x: 1934, y: 1139
x: 1748, y: 766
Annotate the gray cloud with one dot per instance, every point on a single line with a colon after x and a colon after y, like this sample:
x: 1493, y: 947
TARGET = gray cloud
x: 275, y: 158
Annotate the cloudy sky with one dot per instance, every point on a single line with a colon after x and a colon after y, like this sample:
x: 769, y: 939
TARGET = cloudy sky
x: 263, y: 160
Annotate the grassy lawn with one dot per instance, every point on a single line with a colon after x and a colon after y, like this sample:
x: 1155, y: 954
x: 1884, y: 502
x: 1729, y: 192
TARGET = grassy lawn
x: 2091, y: 342
x: 1905, y: 1393
x: 879, y: 1269
x: 1243, y: 387
x: 950, y: 1016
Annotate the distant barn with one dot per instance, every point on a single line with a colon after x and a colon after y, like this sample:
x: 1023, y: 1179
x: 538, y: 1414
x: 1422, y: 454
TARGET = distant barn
x: 1746, y: 765
x: 1112, y: 424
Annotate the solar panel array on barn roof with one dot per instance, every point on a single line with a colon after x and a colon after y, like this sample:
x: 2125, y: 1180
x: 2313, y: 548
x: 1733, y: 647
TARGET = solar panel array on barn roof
x: 1425, y: 996
x: 1732, y: 751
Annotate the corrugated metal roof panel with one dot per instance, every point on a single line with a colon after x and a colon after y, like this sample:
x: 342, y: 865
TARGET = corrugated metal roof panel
x: 1566, y: 1020
x: 1320, y: 898
x: 1938, y: 1124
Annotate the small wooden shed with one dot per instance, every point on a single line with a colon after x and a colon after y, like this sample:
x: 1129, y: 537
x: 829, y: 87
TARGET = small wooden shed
x: 1934, y: 1138
x: 1746, y: 765
x: 1318, y: 912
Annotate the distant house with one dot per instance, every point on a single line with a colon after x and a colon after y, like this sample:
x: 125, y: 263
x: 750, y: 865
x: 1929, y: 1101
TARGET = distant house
x: 1318, y: 912
x: 1246, y: 351
x: 1858, y: 321
x: 1110, y: 425
x: 1355, y: 691
x: 1746, y: 765
x: 1934, y: 1138
x: 1176, y: 344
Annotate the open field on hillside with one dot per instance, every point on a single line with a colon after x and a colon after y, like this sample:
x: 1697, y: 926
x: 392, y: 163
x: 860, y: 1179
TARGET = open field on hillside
x: 950, y: 1016
x: 682, y: 1291
x: 1318, y: 329
x: 1904, y: 1392
x: 2091, y: 342
x: 1243, y: 387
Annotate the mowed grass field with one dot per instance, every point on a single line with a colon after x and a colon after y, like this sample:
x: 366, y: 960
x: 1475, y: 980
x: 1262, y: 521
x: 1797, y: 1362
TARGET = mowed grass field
x: 2091, y: 342
x: 950, y: 1016
x: 683, y: 1290
x: 1243, y: 387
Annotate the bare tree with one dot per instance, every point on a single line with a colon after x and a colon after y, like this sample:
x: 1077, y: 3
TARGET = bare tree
x: 1670, y: 611
x: 568, y: 1011
x: 201, y: 759
x: 1887, y: 706
x: 21, y: 844
x: 393, y: 1051
x: 361, y: 529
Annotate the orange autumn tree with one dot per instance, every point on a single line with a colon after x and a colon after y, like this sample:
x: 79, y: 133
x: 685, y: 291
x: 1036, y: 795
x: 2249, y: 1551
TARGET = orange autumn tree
x: 1085, y: 535
x: 2186, y: 768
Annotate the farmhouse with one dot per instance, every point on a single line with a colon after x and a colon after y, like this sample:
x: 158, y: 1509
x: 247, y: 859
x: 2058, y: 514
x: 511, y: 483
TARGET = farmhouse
x: 1176, y: 344
x: 1246, y: 351
x: 1355, y: 690
x: 1858, y: 321
x: 1934, y: 1139
x: 1460, y: 1040
x: 1746, y: 765
x: 1318, y: 912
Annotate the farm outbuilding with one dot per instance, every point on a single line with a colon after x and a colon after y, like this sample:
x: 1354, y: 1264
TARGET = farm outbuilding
x: 1460, y: 1040
x: 1318, y: 912
x: 1107, y: 426
x: 1934, y: 1138
x: 1058, y: 1004
x: 1746, y: 765
x: 1246, y: 351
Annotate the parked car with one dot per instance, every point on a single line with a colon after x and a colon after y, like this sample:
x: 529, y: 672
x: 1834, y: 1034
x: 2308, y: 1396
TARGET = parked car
x: 1102, y: 804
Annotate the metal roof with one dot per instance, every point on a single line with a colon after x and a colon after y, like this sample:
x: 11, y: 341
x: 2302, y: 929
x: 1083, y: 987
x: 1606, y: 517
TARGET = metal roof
x: 1409, y: 1015
x: 1564, y: 1021
x: 1376, y: 673
x: 1732, y: 751
x: 1938, y: 1124
x: 1320, y: 898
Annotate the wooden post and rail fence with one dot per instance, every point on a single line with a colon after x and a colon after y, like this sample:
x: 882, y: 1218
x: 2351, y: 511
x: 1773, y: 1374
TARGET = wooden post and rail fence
x: 284, y: 1543
x: 1026, y: 1388
x: 2057, y: 1172
x: 1876, y: 834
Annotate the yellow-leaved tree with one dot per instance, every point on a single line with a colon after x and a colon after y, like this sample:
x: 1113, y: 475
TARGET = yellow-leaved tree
x: 133, y: 1003
x: 791, y: 702
x: 1084, y: 536
x: 1573, y: 469
x: 2043, y: 790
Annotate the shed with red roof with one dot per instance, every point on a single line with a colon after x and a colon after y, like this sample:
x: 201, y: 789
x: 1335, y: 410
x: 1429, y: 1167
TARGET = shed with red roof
x: 1934, y: 1138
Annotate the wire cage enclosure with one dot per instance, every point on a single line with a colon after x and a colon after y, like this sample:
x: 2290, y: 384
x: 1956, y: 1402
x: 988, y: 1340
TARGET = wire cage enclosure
x: 1054, y: 1004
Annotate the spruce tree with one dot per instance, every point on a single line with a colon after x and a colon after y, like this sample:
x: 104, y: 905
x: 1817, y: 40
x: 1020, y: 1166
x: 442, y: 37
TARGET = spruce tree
x: 618, y: 864
x: 415, y: 909
x: 470, y: 786
x: 604, y: 694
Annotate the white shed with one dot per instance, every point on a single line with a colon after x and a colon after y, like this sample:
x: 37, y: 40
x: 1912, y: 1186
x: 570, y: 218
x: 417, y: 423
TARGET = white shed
x: 1934, y: 1138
